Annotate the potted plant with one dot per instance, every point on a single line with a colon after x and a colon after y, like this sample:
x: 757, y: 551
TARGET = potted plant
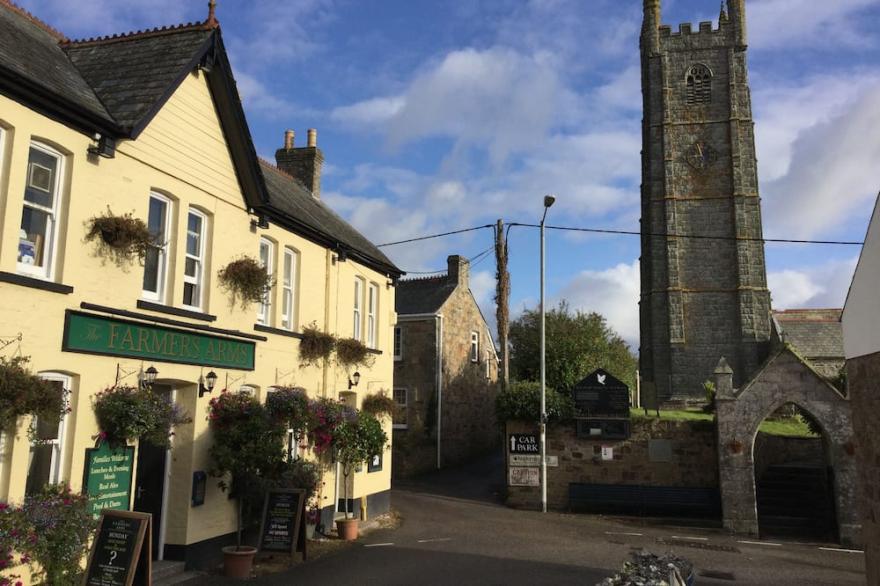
x: 246, y: 280
x: 246, y: 452
x: 379, y: 405
x: 25, y: 393
x: 121, y: 238
x: 126, y: 414
x: 359, y: 437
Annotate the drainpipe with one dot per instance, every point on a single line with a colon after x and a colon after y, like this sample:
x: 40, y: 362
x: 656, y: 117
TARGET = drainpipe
x: 439, y: 384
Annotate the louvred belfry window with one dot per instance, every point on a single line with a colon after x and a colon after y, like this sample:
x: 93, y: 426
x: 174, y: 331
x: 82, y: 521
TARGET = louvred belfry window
x: 699, y: 85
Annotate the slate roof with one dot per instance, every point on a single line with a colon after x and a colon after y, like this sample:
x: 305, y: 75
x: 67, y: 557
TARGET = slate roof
x: 814, y: 333
x: 292, y: 202
x: 417, y: 296
x: 30, y: 52
x: 132, y: 74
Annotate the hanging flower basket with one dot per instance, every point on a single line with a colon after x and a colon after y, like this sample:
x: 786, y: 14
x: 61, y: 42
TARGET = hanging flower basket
x: 24, y: 393
x: 351, y: 353
x: 126, y: 414
x: 246, y: 280
x: 121, y: 238
x: 290, y: 406
x: 379, y: 404
x: 315, y: 345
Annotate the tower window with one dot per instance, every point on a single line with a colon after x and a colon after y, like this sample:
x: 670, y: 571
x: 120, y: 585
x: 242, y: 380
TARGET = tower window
x: 699, y: 85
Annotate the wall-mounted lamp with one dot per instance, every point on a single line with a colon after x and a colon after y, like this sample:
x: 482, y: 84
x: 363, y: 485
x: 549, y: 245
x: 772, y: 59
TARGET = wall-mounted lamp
x: 354, y: 380
x: 104, y: 146
x: 148, y: 377
x: 206, y: 383
x: 259, y: 222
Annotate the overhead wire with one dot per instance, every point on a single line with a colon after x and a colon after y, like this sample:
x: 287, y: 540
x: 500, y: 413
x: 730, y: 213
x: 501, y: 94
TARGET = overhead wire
x: 430, y: 236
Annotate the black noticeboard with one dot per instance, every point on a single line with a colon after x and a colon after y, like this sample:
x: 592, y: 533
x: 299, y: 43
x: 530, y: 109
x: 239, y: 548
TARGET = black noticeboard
x: 283, y: 528
x: 601, y: 395
x: 121, y: 552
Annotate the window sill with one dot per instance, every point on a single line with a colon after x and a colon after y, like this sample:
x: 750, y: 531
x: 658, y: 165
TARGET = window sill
x: 159, y: 308
x: 35, y: 283
x: 277, y: 331
x: 374, y: 351
x: 399, y: 427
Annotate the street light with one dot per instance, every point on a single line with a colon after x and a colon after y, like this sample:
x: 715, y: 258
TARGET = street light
x: 549, y: 200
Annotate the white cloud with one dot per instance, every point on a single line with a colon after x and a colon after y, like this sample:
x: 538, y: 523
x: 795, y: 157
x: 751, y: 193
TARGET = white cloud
x: 376, y: 110
x: 613, y: 293
x: 821, y: 286
x: 787, y: 23
x: 833, y: 172
x: 87, y: 18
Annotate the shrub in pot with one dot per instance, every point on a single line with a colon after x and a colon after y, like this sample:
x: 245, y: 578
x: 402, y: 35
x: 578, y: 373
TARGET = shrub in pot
x: 359, y: 437
x: 246, y: 454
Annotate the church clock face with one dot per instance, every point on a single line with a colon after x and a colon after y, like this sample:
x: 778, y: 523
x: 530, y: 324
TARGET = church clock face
x: 701, y: 156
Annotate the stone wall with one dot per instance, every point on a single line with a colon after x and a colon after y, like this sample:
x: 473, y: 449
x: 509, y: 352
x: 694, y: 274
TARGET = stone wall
x: 700, y: 299
x: 863, y: 374
x: 693, y: 460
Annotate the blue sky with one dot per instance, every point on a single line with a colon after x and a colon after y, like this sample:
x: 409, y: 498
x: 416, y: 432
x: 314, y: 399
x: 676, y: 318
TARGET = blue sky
x: 439, y: 115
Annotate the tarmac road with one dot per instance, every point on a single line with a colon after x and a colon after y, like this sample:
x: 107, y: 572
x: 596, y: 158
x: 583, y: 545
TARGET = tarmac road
x: 455, y: 531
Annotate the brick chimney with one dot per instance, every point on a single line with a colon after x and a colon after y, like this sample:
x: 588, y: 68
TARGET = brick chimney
x: 459, y: 267
x: 303, y: 163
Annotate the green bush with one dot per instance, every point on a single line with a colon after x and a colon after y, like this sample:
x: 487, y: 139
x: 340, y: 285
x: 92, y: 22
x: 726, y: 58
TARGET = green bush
x: 522, y: 402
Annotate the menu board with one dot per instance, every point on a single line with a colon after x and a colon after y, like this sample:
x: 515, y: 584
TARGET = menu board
x: 107, y: 477
x: 121, y: 550
x: 282, y: 528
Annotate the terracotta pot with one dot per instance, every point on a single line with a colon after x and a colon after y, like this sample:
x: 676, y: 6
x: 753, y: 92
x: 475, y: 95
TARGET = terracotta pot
x: 347, y: 529
x: 238, y: 561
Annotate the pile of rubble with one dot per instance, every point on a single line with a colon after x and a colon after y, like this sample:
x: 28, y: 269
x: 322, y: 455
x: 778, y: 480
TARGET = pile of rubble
x: 647, y: 569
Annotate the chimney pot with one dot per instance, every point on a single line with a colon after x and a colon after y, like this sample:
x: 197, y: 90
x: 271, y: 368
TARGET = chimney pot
x: 458, y: 268
x: 288, y: 139
x: 313, y: 137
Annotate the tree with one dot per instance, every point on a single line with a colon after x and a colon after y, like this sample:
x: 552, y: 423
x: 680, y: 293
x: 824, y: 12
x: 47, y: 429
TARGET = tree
x: 577, y: 344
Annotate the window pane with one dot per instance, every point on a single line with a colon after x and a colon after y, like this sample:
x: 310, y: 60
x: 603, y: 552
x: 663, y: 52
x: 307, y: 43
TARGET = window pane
x: 151, y: 270
x: 264, y: 254
x: 288, y: 269
x: 40, y: 469
x: 192, y: 267
x: 156, y: 218
x: 33, y: 237
x: 189, y: 294
x: 40, y: 188
x: 194, y: 235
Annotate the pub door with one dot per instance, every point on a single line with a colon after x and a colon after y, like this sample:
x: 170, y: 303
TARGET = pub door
x: 150, y: 484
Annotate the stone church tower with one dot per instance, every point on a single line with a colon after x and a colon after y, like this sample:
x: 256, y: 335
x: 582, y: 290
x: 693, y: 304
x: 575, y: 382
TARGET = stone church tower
x: 701, y: 299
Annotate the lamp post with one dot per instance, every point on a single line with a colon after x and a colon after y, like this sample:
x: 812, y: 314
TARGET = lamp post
x: 549, y: 200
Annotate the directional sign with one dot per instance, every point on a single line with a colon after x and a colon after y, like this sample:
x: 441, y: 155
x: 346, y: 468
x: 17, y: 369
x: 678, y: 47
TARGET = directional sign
x: 532, y: 460
x: 524, y: 443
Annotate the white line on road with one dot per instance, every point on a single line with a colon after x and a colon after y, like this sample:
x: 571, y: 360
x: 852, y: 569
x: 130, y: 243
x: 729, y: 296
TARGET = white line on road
x: 624, y: 533
x: 687, y: 538
x: 840, y: 549
x: 435, y: 540
x: 378, y: 544
x: 768, y: 543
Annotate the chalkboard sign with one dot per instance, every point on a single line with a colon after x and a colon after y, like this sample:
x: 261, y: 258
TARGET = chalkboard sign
x: 107, y: 477
x: 601, y: 395
x: 283, y: 528
x: 121, y: 551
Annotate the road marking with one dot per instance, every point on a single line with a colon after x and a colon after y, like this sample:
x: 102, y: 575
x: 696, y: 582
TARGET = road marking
x: 624, y: 533
x: 768, y: 543
x: 378, y: 544
x: 687, y: 538
x: 435, y: 540
x: 840, y: 549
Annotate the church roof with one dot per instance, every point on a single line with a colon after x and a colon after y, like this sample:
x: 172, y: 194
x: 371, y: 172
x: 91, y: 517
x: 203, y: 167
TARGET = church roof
x: 814, y: 333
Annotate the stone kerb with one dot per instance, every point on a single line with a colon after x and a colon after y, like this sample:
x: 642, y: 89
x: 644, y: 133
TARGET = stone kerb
x: 785, y: 378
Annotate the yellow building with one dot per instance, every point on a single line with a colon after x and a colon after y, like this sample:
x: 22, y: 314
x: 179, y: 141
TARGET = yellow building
x: 150, y: 123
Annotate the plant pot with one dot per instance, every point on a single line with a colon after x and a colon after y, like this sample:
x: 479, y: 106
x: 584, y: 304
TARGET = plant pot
x: 238, y: 561
x: 110, y: 236
x: 347, y: 529
x: 310, y: 530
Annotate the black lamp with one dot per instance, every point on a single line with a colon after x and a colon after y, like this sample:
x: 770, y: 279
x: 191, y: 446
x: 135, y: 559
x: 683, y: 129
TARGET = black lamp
x: 150, y: 376
x: 354, y: 380
x: 206, y: 384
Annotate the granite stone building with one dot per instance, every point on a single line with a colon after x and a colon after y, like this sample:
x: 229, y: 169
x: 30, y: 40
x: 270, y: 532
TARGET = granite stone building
x: 701, y: 298
x: 445, y: 373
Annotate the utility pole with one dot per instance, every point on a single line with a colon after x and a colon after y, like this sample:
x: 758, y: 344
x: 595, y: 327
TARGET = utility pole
x: 502, y: 300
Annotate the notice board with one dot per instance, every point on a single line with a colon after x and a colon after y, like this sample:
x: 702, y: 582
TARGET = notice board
x: 283, y: 528
x: 107, y: 478
x: 121, y: 552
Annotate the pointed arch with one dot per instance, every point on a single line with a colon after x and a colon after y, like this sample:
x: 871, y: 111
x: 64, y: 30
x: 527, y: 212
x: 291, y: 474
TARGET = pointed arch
x: 699, y: 84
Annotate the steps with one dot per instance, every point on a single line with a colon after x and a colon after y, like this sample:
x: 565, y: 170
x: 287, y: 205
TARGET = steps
x: 167, y: 573
x: 796, y: 501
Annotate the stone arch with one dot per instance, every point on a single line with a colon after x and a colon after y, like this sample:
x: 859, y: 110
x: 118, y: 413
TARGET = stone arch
x: 699, y: 84
x: 784, y: 378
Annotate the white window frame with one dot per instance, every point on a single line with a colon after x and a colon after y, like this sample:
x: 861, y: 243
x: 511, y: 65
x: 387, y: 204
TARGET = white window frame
x: 401, y: 406
x: 264, y: 315
x: 292, y: 440
x: 199, y: 279
x: 162, y: 270
x: 289, y: 268
x: 47, y: 271
x: 397, y: 343
x: 357, y: 329
x: 475, y: 347
x: 372, y: 314
x: 57, y: 444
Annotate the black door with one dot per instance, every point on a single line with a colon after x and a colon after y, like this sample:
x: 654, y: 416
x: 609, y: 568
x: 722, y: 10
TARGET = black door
x: 150, y: 483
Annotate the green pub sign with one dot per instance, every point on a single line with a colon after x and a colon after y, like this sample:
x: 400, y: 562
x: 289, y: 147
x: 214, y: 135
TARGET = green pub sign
x: 95, y: 334
x: 107, y: 478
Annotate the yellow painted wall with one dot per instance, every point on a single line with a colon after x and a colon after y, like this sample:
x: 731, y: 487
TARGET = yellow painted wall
x: 182, y: 155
